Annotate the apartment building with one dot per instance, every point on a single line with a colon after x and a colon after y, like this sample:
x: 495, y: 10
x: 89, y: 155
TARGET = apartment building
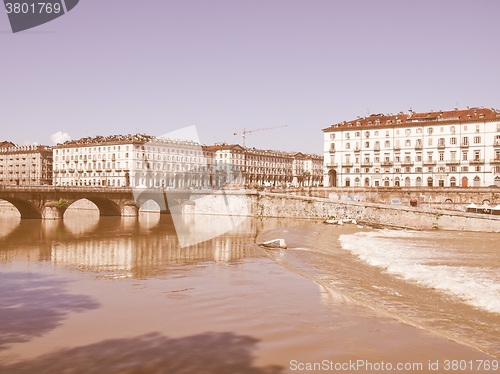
x: 268, y: 167
x: 130, y: 160
x: 145, y: 161
x: 29, y: 165
x: 313, y: 170
x: 437, y: 149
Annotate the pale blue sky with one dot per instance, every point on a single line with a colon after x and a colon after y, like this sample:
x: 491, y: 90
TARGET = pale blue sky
x: 123, y: 66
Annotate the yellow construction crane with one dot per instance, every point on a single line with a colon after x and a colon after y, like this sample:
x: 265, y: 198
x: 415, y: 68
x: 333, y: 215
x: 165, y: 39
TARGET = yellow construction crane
x: 244, y: 132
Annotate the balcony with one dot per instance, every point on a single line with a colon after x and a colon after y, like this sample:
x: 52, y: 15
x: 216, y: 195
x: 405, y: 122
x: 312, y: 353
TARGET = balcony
x: 419, y: 146
x: 347, y: 164
x: 386, y: 163
x: 357, y: 149
x: 407, y: 163
x: 495, y: 161
x: 366, y: 164
x: 331, y: 165
x: 476, y: 161
x: 397, y: 147
x: 331, y: 150
x: 441, y: 146
x: 430, y: 162
x: 464, y: 145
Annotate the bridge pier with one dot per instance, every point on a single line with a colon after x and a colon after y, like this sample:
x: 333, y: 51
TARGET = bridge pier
x: 129, y: 209
x: 50, y: 210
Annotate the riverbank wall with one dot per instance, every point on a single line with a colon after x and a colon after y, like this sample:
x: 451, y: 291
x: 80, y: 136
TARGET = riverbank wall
x: 449, y: 198
x: 420, y: 218
x: 264, y: 204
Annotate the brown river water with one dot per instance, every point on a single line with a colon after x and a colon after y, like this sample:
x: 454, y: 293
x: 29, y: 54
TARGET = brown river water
x: 92, y: 294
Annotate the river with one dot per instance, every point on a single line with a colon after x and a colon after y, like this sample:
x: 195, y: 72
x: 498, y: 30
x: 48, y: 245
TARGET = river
x: 92, y: 294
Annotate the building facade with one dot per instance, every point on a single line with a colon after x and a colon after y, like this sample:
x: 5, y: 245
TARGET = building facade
x: 313, y: 170
x: 267, y: 167
x: 145, y: 161
x: 130, y: 161
x: 438, y: 149
x: 29, y: 165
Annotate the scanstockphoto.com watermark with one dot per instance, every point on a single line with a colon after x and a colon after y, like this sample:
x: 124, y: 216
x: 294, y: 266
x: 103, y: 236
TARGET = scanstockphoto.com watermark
x: 180, y: 177
x: 367, y: 366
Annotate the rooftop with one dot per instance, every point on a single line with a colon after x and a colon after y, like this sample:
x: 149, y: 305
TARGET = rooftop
x: 5, y: 144
x: 122, y: 139
x: 263, y: 152
x: 404, y: 119
x: 24, y: 148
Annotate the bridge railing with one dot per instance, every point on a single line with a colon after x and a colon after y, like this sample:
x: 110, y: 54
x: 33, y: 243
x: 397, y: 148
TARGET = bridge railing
x: 64, y: 188
x: 88, y: 189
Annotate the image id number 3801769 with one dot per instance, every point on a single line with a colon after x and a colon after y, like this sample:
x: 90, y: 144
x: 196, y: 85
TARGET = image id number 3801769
x: 461, y: 365
x: 32, y: 8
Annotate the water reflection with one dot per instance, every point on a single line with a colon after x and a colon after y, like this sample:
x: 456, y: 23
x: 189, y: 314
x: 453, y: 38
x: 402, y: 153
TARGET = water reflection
x: 148, y: 220
x: 30, y: 232
x: 193, y: 229
x: 130, y: 247
x: 8, y: 225
x: 211, y: 353
x: 33, y: 304
x: 80, y: 222
x: 146, y: 253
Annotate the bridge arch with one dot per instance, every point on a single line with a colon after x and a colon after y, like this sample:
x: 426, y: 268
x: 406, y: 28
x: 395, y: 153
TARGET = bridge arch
x: 106, y: 206
x: 145, y: 198
x: 25, y: 208
x: 150, y: 205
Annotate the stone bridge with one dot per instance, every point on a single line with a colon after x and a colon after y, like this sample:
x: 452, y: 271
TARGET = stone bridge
x: 50, y: 202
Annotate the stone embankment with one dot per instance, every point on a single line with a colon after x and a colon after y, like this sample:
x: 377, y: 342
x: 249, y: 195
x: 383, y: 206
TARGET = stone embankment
x: 420, y: 218
x: 448, y: 198
x: 266, y: 204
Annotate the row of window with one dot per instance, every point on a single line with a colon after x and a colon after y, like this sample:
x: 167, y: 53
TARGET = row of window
x: 408, y: 132
x: 418, y: 143
x: 118, y: 148
x: 418, y: 182
x: 418, y: 170
x: 419, y: 157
